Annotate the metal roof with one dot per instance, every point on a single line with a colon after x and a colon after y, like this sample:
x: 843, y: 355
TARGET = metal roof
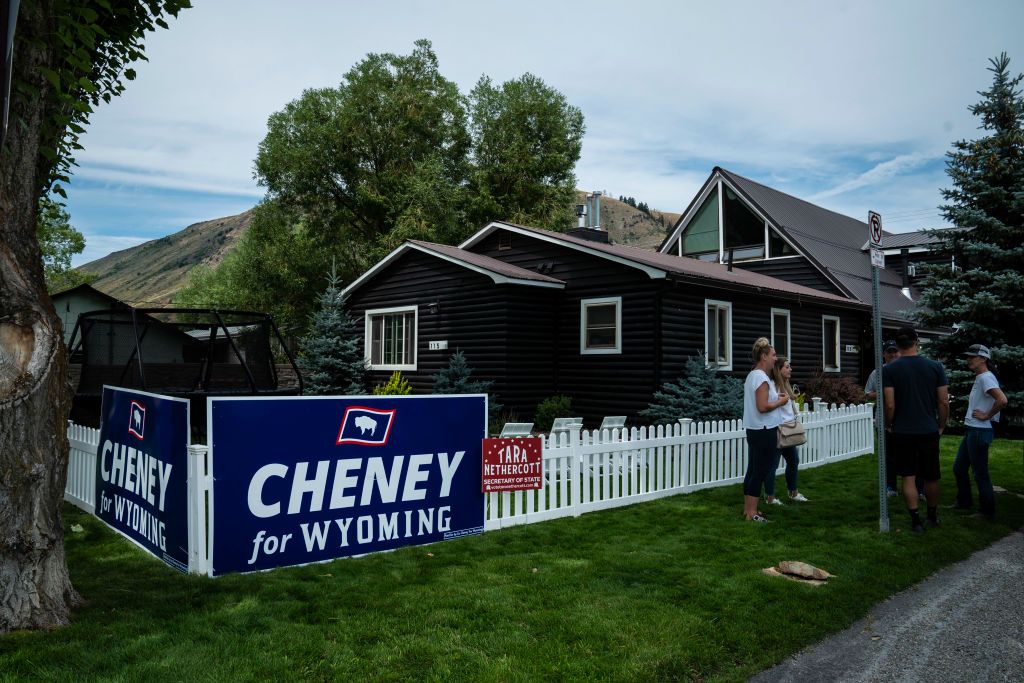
x: 675, y: 265
x: 499, y: 271
x: 830, y: 240
x: 487, y: 263
x: 917, y: 238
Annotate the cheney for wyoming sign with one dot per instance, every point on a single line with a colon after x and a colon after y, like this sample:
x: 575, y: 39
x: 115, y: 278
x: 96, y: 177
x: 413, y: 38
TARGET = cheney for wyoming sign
x: 141, y: 477
x: 308, y: 479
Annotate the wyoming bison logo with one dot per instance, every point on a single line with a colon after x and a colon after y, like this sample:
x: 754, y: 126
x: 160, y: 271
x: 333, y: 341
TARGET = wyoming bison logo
x: 366, y: 426
x: 137, y: 420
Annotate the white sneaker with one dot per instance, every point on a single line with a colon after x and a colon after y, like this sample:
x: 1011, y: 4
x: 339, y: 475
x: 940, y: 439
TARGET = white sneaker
x: 800, y: 498
x: 775, y: 501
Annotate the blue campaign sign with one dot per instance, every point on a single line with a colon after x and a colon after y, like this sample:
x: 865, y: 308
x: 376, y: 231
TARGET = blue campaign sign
x: 307, y: 479
x: 142, y: 471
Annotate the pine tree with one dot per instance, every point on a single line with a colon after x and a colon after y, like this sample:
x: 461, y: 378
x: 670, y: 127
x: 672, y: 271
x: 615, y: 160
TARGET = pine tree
x: 330, y: 358
x: 701, y: 393
x: 983, y: 298
x: 455, y: 379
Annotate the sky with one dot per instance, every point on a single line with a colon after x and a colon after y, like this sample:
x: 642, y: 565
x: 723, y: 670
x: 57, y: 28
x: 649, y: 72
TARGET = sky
x: 851, y: 105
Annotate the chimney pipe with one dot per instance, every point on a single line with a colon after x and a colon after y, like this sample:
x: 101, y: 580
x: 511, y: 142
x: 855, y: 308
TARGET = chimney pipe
x: 581, y: 214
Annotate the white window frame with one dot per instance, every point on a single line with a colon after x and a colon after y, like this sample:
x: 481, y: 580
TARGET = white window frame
x: 603, y: 301
x: 789, y: 328
x: 368, y: 338
x: 726, y: 305
x: 838, y: 344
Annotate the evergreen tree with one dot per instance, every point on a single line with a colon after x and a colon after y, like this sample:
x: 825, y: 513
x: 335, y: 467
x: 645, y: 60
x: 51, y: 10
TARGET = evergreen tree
x: 701, y: 393
x: 455, y: 379
x: 983, y: 298
x: 330, y: 358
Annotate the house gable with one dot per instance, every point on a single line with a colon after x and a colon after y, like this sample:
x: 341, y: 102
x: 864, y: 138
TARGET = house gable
x: 827, y: 245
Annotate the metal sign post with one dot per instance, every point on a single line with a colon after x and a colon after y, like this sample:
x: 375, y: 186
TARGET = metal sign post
x: 877, y: 262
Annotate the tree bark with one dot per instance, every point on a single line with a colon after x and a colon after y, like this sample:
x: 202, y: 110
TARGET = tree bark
x: 35, y: 396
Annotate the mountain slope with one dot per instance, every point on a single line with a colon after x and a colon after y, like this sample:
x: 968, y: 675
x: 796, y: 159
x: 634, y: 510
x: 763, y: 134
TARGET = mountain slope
x: 628, y: 225
x: 151, y: 273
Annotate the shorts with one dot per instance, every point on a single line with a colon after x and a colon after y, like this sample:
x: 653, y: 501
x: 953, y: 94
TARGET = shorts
x: 916, y: 455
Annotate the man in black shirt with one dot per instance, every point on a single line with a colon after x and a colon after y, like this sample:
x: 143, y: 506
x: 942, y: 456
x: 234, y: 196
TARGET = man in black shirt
x: 916, y: 409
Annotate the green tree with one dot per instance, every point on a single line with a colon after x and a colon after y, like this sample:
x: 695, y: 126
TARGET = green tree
x: 69, y: 56
x: 457, y: 379
x: 276, y: 267
x: 984, y: 297
x: 701, y: 393
x: 58, y: 241
x: 378, y: 159
x: 329, y: 356
x: 388, y: 155
x: 526, y: 142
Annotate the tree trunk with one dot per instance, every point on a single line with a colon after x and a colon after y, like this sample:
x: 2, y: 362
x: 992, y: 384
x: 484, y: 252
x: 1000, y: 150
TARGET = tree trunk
x: 35, y: 397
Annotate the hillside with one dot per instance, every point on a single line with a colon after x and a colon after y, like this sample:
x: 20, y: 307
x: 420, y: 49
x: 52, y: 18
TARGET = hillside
x: 151, y: 273
x: 628, y: 225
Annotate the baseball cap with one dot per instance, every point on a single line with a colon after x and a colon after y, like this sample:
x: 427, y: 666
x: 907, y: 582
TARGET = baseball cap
x: 889, y: 345
x: 978, y: 350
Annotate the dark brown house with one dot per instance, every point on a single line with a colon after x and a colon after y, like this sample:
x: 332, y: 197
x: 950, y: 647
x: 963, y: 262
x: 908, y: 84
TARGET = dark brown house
x: 542, y: 313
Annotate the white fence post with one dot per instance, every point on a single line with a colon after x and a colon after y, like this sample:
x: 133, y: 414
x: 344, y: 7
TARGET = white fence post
x: 199, y: 503
x: 575, y: 458
x: 685, y: 427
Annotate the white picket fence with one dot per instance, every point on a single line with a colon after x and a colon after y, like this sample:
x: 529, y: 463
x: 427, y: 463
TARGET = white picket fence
x: 583, y: 471
x: 586, y: 471
x: 80, y: 488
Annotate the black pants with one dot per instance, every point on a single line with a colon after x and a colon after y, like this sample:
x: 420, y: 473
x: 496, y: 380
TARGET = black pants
x: 762, y: 445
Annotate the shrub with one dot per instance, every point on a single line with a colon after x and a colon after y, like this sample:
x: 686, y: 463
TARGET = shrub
x: 497, y: 422
x: 833, y: 389
x: 329, y: 356
x: 395, y: 386
x: 455, y: 379
x: 701, y: 393
x: 549, y: 409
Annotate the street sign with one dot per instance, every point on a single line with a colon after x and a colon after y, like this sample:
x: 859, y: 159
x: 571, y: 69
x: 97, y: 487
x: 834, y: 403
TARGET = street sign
x: 874, y: 229
x: 878, y: 261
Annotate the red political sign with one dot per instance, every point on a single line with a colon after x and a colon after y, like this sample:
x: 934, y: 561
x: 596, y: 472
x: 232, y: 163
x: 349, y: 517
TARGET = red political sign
x: 513, y: 464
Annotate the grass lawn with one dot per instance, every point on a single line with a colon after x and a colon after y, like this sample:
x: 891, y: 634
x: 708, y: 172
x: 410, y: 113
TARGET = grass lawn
x: 667, y: 590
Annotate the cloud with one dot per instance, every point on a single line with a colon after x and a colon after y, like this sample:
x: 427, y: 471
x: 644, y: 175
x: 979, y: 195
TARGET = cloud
x: 883, y: 172
x: 848, y: 103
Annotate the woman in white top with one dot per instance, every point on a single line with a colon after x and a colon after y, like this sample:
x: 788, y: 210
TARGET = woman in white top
x: 782, y: 371
x: 761, y: 400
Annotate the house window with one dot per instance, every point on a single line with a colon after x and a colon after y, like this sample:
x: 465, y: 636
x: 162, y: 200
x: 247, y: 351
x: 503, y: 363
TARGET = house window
x: 701, y: 235
x: 830, y: 343
x: 391, y: 338
x: 778, y: 246
x: 504, y: 240
x: 718, y: 334
x: 780, y: 331
x: 744, y: 230
x: 601, y: 325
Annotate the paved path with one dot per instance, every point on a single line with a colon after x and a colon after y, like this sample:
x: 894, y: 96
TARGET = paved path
x: 964, y: 623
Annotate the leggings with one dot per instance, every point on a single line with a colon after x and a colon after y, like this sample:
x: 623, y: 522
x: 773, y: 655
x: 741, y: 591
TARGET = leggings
x: 762, y: 445
x: 792, y: 464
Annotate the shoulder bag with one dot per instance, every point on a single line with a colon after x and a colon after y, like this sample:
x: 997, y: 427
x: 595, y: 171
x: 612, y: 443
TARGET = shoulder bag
x: 792, y: 434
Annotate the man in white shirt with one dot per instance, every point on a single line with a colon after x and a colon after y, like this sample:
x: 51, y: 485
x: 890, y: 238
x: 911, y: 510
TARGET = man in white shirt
x: 983, y: 407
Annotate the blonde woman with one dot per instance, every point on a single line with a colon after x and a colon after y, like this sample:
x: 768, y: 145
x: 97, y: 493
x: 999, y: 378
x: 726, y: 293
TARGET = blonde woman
x: 781, y: 373
x: 761, y: 400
